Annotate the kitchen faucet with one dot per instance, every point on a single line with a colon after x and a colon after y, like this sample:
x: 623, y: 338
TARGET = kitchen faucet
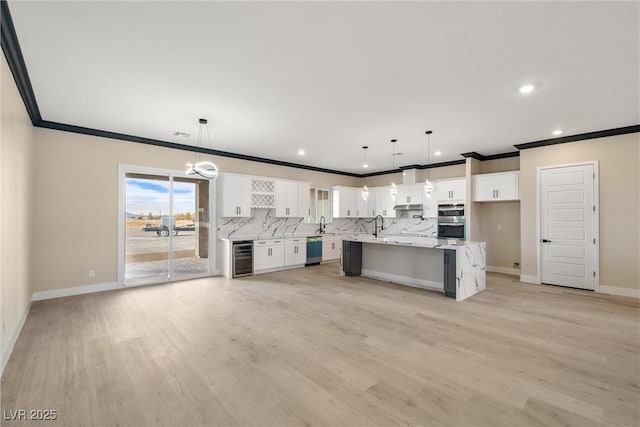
x: 323, y: 224
x: 375, y: 225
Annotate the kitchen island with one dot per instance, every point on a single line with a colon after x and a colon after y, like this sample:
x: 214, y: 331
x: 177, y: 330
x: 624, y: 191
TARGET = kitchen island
x: 456, y: 268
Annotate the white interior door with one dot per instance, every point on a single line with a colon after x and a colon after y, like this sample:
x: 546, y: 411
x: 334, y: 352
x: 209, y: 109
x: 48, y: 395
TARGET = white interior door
x: 567, y: 232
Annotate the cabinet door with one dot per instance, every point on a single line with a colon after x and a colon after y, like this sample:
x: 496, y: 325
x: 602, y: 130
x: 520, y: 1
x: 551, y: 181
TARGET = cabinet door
x: 303, y: 200
x: 261, y: 256
x: 508, y: 187
x: 330, y: 249
x: 235, y: 196
x: 277, y: 254
x: 459, y: 190
x: 295, y: 252
x: 416, y: 194
x: 344, y: 202
x: 484, y: 188
x: 444, y: 191
x: 362, y: 208
x: 384, y: 202
x: 286, y: 198
x: 403, y: 197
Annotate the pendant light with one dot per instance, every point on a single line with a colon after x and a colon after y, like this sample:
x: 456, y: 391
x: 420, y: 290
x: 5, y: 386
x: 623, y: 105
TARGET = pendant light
x: 393, y: 190
x: 364, y: 163
x: 365, y: 190
x: 205, y: 169
x: 428, y: 185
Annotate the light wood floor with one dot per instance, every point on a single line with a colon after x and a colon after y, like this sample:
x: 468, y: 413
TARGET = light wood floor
x: 307, y: 347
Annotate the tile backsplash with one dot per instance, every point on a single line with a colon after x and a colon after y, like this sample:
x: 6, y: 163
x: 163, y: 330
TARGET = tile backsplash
x: 264, y: 224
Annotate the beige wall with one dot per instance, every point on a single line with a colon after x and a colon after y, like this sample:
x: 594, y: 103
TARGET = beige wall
x: 455, y: 171
x: 16, y: 173
x: 498, y: 223
x: 76, y: 191
x: 619, y: 203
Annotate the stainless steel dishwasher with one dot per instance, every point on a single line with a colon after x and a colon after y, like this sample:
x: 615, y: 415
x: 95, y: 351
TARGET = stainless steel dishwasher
x: 242, y: 258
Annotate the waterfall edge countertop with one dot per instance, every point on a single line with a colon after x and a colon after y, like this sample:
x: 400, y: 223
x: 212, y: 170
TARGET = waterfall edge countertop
x: 455, y: 268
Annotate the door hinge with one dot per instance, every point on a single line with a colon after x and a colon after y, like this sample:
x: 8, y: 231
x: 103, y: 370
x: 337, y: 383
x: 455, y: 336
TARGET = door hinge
x: 594, y: 274
x: 594, y: 208
x: 594, y: 241
x: 594, y: 175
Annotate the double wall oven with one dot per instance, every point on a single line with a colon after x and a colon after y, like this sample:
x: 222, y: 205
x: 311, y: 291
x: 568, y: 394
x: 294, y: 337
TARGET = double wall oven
x: 451, y: 221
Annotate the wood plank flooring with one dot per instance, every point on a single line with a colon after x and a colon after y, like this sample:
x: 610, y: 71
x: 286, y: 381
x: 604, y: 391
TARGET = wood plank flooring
x: 308, y: 347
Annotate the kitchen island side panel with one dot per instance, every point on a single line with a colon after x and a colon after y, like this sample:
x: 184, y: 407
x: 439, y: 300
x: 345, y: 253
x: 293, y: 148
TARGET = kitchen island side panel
x: 471, y: 270
x: 408, y: 265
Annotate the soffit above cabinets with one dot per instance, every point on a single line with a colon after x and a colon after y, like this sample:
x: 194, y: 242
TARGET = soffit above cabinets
x: 330, y: 77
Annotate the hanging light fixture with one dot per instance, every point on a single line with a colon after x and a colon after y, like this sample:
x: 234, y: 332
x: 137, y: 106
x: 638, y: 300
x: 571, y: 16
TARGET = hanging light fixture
x: 365, y: 193
x: 205, y: 169
x: 364, y: 163
x: 393, y: 190
x: 428, y: 185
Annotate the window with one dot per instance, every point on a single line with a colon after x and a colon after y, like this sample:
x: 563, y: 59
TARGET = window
x: 319, y: 206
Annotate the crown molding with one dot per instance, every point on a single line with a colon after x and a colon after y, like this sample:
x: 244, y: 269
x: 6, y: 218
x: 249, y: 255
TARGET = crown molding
x: 580, y: 137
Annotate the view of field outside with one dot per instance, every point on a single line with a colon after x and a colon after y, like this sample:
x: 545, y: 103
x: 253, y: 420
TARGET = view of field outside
x: 147, y: 223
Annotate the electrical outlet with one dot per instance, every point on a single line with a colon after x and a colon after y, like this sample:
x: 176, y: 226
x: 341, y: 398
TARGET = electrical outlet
x: 499, y: 227
x: 92, y: 273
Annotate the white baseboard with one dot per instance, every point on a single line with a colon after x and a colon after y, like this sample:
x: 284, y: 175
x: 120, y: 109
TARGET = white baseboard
x: 529, y: 279
x: 76, y: 290
x: 403, y: 280
x: 6, y: 353
x: 623, y: 292
x: 503, y: 270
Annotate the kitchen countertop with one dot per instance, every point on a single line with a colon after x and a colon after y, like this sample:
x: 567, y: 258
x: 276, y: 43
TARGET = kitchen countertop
x: 234, y: 238
x: 405, y: 240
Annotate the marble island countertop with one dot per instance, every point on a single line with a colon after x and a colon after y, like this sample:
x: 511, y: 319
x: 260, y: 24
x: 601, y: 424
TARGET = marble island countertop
x: 410, y: 240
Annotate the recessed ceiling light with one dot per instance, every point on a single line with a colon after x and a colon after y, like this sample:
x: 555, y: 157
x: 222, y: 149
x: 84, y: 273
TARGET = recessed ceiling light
x: 437, y: 153
x: 300, y: 152
x: 557, y: 132
x: 526, y: 89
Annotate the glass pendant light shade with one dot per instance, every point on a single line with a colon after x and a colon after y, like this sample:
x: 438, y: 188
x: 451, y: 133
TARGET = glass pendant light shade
x: 393, y: 190
x: 428, y: 188
x: 205, y: 169
x: 365, y: 193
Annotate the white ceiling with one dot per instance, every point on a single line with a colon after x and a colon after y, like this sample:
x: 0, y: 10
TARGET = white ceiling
x: 329, y: 78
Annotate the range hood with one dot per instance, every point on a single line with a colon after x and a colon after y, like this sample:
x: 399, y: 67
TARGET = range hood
x: 415, y: 207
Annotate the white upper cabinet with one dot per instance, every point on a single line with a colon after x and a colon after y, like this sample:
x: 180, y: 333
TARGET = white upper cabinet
x: 454, y: 191
x: 364, y: 207
x: 292, y: 199
x: 345, y: 204
x: 410, y: 194
x: 384, y: 202
x: 234, y: 195
x: 303, y: 199
x: 496, y: 187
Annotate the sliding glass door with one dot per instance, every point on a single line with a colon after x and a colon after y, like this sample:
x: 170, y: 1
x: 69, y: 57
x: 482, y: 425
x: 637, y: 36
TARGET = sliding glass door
x: 166, y: 228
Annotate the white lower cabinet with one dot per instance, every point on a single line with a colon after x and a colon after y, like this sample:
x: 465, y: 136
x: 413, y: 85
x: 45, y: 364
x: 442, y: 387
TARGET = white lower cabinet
x: 330, y: 248
x: 295, y: 252
x: 268, y: 254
